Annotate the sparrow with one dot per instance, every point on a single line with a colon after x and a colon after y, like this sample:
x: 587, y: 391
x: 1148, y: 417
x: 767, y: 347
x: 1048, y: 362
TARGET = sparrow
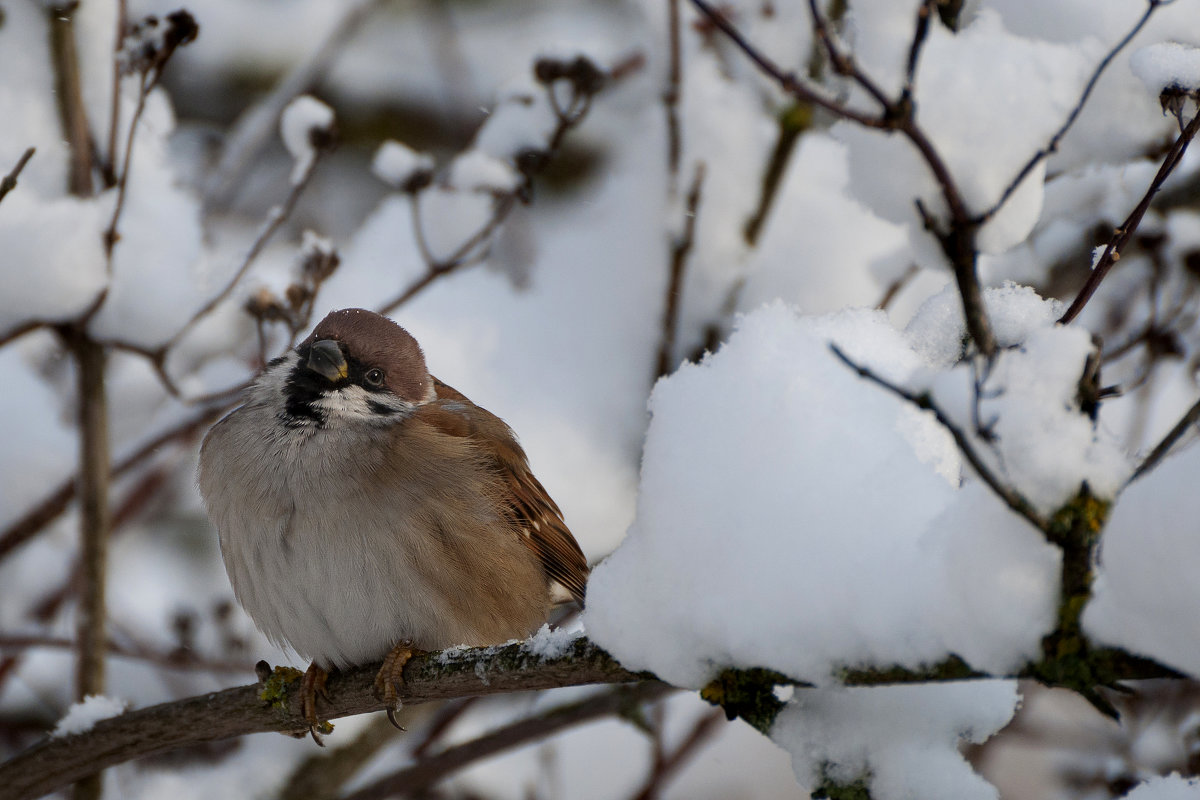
x: 366, y: 510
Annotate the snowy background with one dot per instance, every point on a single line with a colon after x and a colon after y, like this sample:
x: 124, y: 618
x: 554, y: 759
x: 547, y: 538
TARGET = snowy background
x: 763, y: 505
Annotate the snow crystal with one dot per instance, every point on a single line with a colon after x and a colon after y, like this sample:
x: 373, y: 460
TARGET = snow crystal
x: 1167, y: 65
x: 903, y: 740
x: 83, y: 715
x: 302, y: 117
x: 550, y: 643
x: 475, y: 170
x: 396, y: 163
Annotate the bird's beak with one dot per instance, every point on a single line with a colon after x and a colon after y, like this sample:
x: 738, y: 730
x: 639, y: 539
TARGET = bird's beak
x: 325, y: 358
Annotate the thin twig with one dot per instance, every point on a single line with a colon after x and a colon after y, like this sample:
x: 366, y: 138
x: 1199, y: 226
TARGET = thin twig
x: 1010, y: 496
x: 1162, y: 448
x: 9, y: 182
x: 680, y: 249
x: 114, y: 112
x: 894, y: 288
x: 920, y: 34
x: 110, y: 233
x: 1052, y: 146
x: 68, y: 90
x: 667, y: 766
x: 958, y: 239
x: 446, y: 716
x: 787, y: 80
x: 253, y: 129
x: 275, y: 219
x: 671, y: 95
x: 413, y: 780
x: 1122, y: 235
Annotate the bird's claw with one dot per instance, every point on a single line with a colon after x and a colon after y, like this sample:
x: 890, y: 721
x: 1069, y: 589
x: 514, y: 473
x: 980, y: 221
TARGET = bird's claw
x: 390, y: 678
x: 312, y: 685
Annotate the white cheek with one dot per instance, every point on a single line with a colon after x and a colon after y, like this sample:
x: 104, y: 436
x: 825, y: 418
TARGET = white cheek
x: 356, y: 403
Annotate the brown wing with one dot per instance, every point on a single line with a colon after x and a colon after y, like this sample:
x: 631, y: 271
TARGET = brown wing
x: 526, y: 503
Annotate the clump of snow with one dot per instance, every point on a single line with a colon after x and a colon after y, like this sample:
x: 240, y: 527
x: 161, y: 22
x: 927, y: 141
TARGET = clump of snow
x: 83, y: 715
x: 303, y: 118
x: 314, y: 244
x: 820, y: 249
x: 1166, y: 787
x: 476, y: 171
x: 53, y: 266
x: 768, y: 460
x: 988, y: 100
x: 160, y: 252
x: 1048, y: 447
x: 903, y: 740
x: 1167, y: 65
x: 938, y: 330
x: 1044, y: 445
x: 550, y: 643
x: 396, y: 164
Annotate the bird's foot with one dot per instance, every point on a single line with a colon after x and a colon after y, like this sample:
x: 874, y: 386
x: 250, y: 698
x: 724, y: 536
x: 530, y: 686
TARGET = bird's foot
x: 313, y: 684
x: 390, y: 679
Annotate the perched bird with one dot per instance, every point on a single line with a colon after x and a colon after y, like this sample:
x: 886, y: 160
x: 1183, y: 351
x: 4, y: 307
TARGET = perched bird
x: 366, y: 509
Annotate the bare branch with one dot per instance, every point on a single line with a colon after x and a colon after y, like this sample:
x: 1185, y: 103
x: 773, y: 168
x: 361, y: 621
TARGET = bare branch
x: 667, y: 766
x: 1010, y: 496
x: 1122, y: 235
x: 68, y: 90
x: 275, y: 219
x: 1162, y: 448
x: 420, y: 776
x: 236, y: 712
x: 1052, y: 146
x: 671, y: 95
x: 680, y: 249
x: 9, y: 182
x: 920, y: 34
x: 787, y: 80
x: 251, y: 131
x: 958, y: 237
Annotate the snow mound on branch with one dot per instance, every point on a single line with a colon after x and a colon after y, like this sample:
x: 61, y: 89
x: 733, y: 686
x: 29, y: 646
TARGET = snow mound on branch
x: 900, y: 739
x: 773, y: 459
x: 83, y: 716
x: 1167, y: 65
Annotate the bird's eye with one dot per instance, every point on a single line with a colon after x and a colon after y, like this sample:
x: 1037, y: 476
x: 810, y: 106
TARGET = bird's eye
x: 374, y: 377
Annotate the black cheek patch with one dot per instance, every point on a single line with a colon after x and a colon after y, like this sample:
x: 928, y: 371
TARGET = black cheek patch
x: 382, y: 409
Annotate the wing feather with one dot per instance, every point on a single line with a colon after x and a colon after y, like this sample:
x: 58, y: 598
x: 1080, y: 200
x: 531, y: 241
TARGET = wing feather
x: 525, y: 502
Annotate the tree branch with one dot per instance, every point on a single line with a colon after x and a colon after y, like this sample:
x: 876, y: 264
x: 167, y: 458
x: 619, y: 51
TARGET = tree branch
x: 1122, y: 235
x: 9, y: 181
x: 236, y: 712
x: 1010, y: 496
x: 67, y: 88
x: 1052, y: 146
x: 1162, y: 448
x: 680, y: 249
